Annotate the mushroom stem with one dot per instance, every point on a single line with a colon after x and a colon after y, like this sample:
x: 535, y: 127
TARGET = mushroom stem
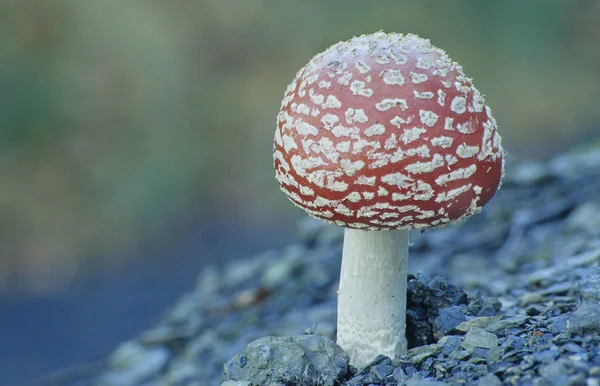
x: 372, y: 294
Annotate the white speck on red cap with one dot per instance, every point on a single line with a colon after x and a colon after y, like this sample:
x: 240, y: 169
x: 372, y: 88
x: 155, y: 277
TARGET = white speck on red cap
x: 385, y: 131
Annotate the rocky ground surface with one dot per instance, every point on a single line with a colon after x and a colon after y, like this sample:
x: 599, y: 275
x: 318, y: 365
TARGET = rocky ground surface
x: 509, y: 297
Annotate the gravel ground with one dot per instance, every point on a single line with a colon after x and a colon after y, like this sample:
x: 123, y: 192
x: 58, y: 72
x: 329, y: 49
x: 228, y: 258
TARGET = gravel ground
x: 509, y: 297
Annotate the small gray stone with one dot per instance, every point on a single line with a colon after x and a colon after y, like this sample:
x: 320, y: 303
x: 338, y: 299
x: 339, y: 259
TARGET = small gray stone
x: 514, y: 342
x: 459, y: 354
x: 399, y: 374
x: 134, y: 364
x: 593, y: 382
x: 545, y: 356
x: 181, y: 372
x: 557, y: 289
x: 164, y: 334
x: 577, y: 379
x: 451, y: 344
x: 473, y: 370
x: 530, y: 173
x: 419, y: 354
x: 209, y: 281
x: 239, y: 271
x: 585, y: 319
x: 590, y: 287
x: 572, y: 348
x: 501, y: 325
x: 489, y: 380
x: 448, y: 318
x: 424, y: 382
x: 530, y: 298
x: 381, y: 371
x: 558, y: 324
x: 481, y: 322
x: 477, y: 337
x: 556, y: 373
x: 184, y: 309
x: 584, y: 258
x: 280, y: 270
x: 585, y: 218
x: 236, y: 383
x: 301, y: 359
x: 480, y: 352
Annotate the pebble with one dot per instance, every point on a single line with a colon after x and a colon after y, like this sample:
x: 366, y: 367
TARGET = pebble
x: 301, y: 359
x: 419, y: 354
x: 236, y: 383
x: 589, y: 288
x: 134, y: 364
x: 585, y: 218
x: 489, y: 380
x: 282, y: 269
x: 451, y: 344
x: 424, y: 382
x: 481, y: 322
x: 478, y: 337
x: 506, y: 324
x: 448, y: 319
x: 585, y: 258
x: 586, y: 318
x: 530, y: 173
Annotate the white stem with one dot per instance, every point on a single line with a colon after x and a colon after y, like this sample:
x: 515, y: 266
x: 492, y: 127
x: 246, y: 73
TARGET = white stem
x: 372, y: 294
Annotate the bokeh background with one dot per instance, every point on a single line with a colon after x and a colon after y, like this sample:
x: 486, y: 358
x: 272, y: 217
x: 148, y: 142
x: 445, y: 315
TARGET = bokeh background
x: 136, y: 138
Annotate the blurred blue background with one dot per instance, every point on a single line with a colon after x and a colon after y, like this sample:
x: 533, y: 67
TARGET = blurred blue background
x: 136, y: 139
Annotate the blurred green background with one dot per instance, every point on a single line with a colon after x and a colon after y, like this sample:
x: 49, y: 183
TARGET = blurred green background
x: 123, y: 121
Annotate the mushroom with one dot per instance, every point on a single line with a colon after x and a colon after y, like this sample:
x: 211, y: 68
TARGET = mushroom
x: 382, y: 134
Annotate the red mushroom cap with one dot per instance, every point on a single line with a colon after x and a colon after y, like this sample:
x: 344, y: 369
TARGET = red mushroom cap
x: 386, y: 132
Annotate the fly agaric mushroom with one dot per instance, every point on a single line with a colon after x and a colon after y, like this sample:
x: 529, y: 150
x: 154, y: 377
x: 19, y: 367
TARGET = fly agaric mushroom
x: 382, y: 134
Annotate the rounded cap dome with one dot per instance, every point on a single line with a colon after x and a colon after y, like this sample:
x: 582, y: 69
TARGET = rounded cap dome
x: 385, y: 131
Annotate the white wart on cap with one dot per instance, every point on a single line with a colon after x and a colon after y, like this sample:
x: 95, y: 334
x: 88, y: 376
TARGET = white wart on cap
x: 385, y: 131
